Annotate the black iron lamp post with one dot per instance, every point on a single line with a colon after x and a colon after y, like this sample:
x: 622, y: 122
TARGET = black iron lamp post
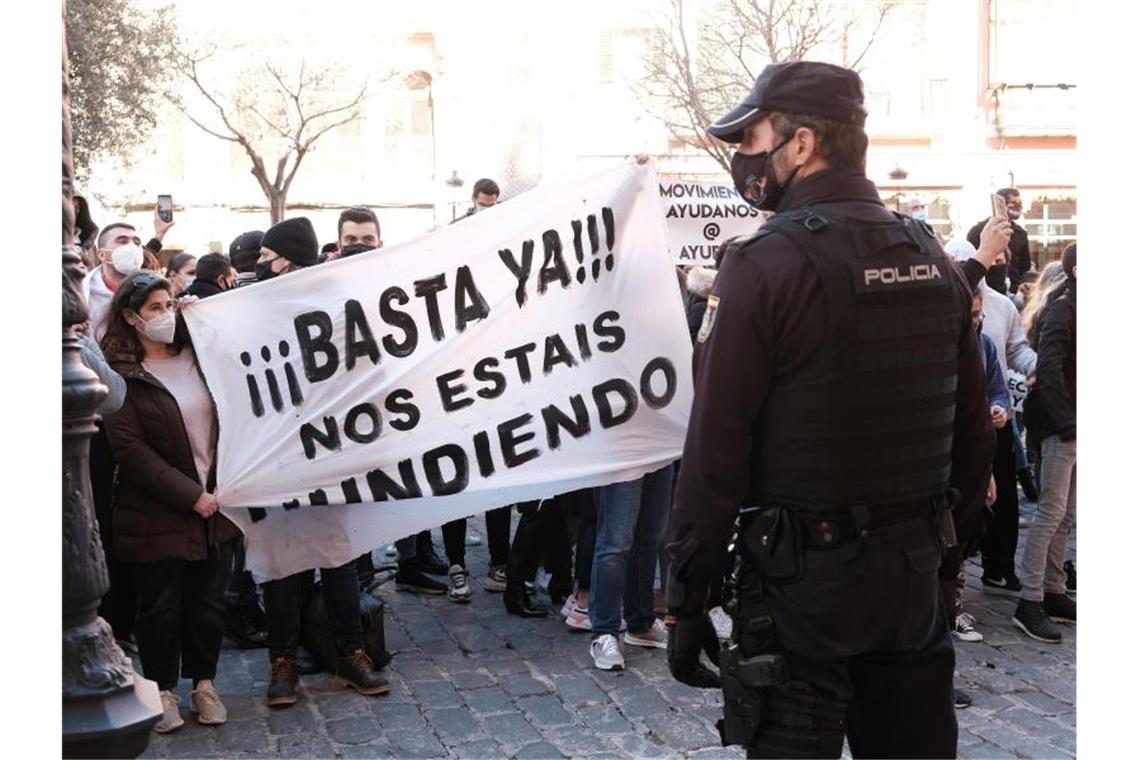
x: 108, y: 710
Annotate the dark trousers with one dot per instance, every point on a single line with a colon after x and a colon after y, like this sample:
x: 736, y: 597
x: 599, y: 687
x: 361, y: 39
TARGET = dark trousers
x: 285, y: 599
x: 455, y: 541
x: 584, y: 551
x: 498, y: 522
x: 541, y: 536
x: 181, y: 615
x: 241, y: 591
x: 119, y: 605
x: 867, y: 647
x: 1000, y: 543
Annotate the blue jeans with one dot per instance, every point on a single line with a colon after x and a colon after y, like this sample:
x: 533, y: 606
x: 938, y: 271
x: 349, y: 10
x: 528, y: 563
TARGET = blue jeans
x: 630, y: 522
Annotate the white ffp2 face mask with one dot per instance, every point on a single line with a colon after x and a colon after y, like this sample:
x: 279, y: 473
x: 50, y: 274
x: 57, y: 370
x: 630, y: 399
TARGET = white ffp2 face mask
x: 160, y: 328
x: 127, y: 258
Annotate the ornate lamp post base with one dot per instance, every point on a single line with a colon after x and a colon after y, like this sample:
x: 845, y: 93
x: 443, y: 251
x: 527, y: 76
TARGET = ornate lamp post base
x: 111, y: 726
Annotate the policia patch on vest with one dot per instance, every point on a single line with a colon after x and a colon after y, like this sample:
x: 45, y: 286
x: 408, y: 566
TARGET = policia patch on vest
x: 873, y: 278
x: 709, y: 319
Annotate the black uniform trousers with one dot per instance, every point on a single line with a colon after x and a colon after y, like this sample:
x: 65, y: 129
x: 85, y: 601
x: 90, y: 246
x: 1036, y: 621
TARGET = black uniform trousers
x: 1000, y: 543
x: 868, y: 651
x: 181, y: 615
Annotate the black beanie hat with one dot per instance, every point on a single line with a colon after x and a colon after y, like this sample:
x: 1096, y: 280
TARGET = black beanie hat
x: 293, y: 239
x: 1069, y: 260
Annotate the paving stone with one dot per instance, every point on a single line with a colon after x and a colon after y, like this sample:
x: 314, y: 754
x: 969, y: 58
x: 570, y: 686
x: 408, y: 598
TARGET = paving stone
x: 984, y: 751
x: 1002, y: 735
x: 545, y: 711
x: 1063, y: 689
x: 425, y: 631
x: 508, y: 664
x: 538, y: 751
x: 339, y: 704
x: 578, y: 690
x: 681, y: 732
x: 187, y: 746
x: 357, y: 730
x: 435, y: 694
x: 639, y: 701
x: 720, y: 753
x: 1043, y: 704
x: 397, y: 716
x: 453, y: 724
x: 306, y: 745
x: 416, y: 671
x: 487, y: 701
x: 292, y: 720
x: 511, y: 730
x: 422, y: 743
x: 246, y: 707
x: 523, y: 686
x: 576, y: 741
x: 484, y: 749
x: 372, y: 750
x: 605, y: 719
x: 634, y: 745
x: 471, y: 680
x: 996, y: 682
x: 243, y: 736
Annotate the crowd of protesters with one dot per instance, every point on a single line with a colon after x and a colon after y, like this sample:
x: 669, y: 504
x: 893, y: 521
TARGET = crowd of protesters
x: 177, y: 565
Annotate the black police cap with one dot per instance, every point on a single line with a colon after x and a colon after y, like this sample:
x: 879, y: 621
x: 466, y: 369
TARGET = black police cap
x: 807, y: 87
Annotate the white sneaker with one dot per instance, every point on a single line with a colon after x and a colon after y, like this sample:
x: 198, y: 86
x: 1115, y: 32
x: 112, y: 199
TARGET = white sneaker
x: 964, y: 627
x: 170, y: 718
x: 656, y: 637
x: 721, y: 622
x: 205, y: 701
x: 458, y: 589
x: 607, y: 653
x: 579, y: 619
x: 567, y: 606
x: 390, y: 551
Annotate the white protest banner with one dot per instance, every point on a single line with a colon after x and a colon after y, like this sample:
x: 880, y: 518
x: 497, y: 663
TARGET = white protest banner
x: 702, y: 215
x: 532, y: 349
x: 1018, y: 389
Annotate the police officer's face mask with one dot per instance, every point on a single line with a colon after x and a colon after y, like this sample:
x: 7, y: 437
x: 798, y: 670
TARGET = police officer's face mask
x: 747, y: 173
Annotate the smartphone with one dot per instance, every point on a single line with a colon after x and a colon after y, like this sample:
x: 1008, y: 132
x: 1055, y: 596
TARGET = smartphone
x: 997, y: 205
x: 165, y: 208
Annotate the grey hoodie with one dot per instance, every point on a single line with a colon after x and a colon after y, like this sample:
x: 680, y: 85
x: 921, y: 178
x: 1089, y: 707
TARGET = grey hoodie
x: 1003, y: 325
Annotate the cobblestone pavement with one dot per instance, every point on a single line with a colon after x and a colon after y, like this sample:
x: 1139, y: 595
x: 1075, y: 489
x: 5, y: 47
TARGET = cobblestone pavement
x: 471, y: 681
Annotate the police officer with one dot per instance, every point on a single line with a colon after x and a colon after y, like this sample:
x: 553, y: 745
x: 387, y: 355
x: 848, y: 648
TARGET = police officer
x: 839, y: 402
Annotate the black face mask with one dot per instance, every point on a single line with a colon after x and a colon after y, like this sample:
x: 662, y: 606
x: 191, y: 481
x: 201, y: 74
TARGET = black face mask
x: 747, y: 171
x: 264, y: 270
x: 995, y: 277
x: 355, y: 248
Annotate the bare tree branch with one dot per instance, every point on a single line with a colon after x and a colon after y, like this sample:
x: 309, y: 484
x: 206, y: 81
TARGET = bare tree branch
x: 686, y: 88
x: 296, y: 114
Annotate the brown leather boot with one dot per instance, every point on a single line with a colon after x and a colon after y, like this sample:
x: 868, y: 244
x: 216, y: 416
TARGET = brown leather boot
x: 355, y: 668
x: 283, y: 680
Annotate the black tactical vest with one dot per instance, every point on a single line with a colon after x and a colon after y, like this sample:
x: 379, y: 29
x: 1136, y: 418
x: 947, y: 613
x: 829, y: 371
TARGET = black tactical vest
x: 870, y: 419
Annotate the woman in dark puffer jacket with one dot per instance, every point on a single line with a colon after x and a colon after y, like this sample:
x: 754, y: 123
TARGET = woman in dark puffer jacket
x: 166, y: 520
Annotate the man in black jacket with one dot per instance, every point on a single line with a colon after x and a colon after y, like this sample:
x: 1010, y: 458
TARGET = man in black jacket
x: 1051, y: 411
x: 838, y: 395
x: 214, y: 275
x: 1019, y: 261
